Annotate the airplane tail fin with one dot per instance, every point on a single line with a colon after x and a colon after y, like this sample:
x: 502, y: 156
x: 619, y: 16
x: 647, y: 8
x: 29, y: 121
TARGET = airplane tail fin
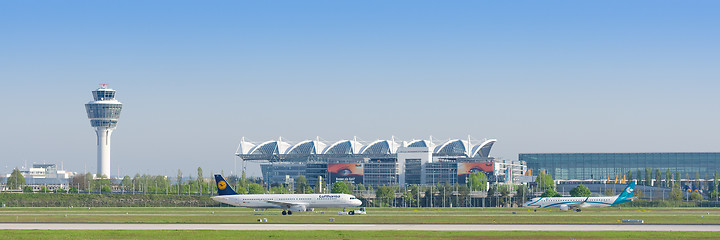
x: 222, y: 186
x: 628, y: 192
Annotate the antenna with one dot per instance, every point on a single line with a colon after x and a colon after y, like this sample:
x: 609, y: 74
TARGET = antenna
x: 239, y: 148
x: 353, y: 144
x: 467, y: 150
x: 392, y: 141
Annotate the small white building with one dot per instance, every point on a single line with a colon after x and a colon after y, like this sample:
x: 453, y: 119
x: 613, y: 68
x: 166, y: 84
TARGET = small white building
x: 42, y: 173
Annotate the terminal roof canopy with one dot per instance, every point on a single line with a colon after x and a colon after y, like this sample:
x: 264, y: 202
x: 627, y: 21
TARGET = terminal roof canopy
x: 270, y: 148
x: 307, y: 147
x: 380, y: 147
x: 483, y: 150
x: 420, y: 143
x: 453, y: 147
x: 344, y: 147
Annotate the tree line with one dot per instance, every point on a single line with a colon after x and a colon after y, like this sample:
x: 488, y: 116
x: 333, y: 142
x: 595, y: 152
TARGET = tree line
x: 393, y: 195
x: 677, y: 193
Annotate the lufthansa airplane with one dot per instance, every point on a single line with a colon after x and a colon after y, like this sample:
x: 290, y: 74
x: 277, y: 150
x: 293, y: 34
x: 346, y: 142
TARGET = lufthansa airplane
x: 569, y: 203
x: 288, y: 202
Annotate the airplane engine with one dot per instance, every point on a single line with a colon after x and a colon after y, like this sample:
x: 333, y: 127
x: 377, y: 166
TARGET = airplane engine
x: 298, y: 208
x: 564, y: 207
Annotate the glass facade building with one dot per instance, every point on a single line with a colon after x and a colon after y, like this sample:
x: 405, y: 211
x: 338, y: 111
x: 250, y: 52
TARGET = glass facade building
x: 282, y: 171
x: 441, y: 172
x: 380, y: 162
x: 413, y: 171
x: 381, y: 172
x: 599, y: 166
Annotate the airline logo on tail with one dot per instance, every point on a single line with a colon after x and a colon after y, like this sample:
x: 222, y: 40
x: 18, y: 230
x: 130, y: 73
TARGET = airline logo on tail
x: 223, y: 187
x: 627, y: 194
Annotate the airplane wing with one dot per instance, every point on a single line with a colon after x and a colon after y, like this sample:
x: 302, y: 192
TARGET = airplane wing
x: 578, y: 204
x: 284, y: 204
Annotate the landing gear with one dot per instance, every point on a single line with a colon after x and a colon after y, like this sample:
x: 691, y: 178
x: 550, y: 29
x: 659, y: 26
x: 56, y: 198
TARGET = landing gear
x: 578, y: 210
x: 284, y: 212
x: 289, y: 212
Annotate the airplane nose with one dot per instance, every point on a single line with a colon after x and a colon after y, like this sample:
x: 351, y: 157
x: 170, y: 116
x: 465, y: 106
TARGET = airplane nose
x: 357, y: 202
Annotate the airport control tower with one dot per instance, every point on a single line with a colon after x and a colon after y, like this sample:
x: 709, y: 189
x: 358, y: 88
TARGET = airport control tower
x: 103, y: 113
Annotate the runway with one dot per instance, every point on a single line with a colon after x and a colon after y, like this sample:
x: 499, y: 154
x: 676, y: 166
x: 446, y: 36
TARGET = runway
x: 357, y: 227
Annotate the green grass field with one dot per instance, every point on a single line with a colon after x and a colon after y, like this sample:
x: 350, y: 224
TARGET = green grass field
x: 207, y: 234
x: 375, y: 215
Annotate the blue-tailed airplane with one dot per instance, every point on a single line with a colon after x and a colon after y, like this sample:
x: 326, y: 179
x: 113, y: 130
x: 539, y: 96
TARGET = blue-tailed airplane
x: 570, y: 203
x: 288, y: 202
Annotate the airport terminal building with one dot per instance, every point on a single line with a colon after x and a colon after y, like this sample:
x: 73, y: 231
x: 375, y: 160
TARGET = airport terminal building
x: 42, y: 175
x: 381, y: 162
x: 609, y: 166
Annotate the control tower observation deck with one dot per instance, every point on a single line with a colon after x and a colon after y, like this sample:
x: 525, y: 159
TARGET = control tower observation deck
x: 103, y: 113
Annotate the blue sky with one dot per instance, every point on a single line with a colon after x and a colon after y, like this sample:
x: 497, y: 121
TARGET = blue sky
x: 195, y: 77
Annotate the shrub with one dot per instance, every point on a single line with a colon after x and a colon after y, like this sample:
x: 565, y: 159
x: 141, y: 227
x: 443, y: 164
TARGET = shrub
x: 580, y: 191
x: 551, y: 193
x: 696, y: 196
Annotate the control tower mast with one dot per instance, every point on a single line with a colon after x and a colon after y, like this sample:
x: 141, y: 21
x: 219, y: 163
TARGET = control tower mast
x: 103, y: 113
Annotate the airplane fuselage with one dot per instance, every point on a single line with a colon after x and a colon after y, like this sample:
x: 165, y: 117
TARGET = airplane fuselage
x: 567, y: 203
x: 573, y: 202
x: 288, y: 201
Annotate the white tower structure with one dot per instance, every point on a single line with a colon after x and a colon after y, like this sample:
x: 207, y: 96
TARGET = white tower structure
x: 103, y: 113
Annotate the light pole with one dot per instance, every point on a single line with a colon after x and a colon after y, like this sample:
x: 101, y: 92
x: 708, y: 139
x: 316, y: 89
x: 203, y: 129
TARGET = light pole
x: 418, y: 196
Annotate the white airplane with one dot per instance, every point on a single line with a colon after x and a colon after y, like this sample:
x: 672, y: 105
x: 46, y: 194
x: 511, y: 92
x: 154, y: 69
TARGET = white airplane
x: 569, y: 203
x: 288, y: 202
